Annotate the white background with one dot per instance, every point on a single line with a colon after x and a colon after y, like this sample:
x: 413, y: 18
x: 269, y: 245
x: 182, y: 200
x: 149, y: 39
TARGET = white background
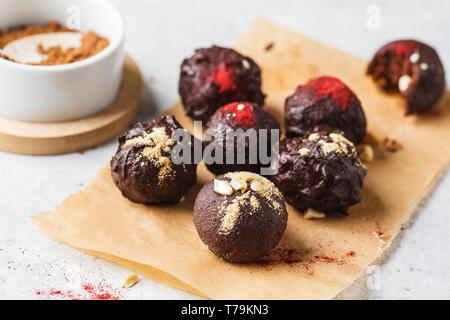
x: 159, y: 35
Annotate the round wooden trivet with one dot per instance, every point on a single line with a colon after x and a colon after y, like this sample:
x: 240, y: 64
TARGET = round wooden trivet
x: 69, y: 136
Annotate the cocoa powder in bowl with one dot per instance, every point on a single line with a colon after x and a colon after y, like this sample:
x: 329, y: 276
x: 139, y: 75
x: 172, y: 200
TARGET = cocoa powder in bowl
x: 91, y: 44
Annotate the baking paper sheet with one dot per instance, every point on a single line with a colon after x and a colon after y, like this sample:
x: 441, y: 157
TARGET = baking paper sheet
x: 316, y: 259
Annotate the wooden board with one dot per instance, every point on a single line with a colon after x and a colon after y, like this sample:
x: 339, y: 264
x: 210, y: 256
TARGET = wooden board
x: 69, y: 136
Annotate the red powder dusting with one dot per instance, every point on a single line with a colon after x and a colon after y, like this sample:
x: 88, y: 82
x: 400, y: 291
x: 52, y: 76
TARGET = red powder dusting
x: 302, y: 258
x: 223, y: 77
x: 404, y: 48
x: 244, y: 115
x: 326, y: 259
x: 101, y: 291
x: 325, y: 86
x: 351, y: 253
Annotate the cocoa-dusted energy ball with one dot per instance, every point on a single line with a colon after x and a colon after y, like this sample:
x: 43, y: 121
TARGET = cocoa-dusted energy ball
x: 412, y: 69
x: 142, y: 167
x: 215, y: 76
x: 240, y: 216
x: 241, y: 146
x: 321, y: 171
x: 325, y: 101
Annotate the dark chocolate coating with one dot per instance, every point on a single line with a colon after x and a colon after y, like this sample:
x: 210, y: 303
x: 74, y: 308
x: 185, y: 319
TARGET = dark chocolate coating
x: 146, y: 180
x: 418, y: 61
x: 215, y: 76
x: 255, y: 231
x: 233, y: 116
x: 321, y: 178
x: 325, y: 101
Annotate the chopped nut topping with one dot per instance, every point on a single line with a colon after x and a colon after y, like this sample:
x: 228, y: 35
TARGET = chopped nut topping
x: 256, y: 186
x: 303, y: 151
x: 339, y: 144
x: 424, y: 66
x: 223, y: 187
x: 313, y: 137
x: 263, y: 186
x: 313, y: 214
x: 246, y: 64
x: 403, y: 82
x: 130, y: 281
x: 238, y: 184
x: 414, y: 57
x: 365, y: 152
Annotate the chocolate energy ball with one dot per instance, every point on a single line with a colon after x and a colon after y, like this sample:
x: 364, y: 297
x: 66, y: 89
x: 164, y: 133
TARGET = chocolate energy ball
x: 321, y: 171
x: 142, y: 167
x: 215, y: 76
x: 412, y: 69
x: 250, y: 118
x: 325, y: 101
x: 240, y: 216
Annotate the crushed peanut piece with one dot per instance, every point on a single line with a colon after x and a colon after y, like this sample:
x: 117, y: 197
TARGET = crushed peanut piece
x: 256, y: 186
x: 313, y: 137
x: 313, y: 214
x: 339, y: 144
x: 130, y: 281
x: 403, y: 82
x: 414, y: 57
x: 238, y: 184
x: 365, y: 152
x: 222, y: 187
x: 303, y: 151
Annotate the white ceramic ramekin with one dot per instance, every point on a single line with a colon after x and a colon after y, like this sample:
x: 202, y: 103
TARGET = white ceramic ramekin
x: 64, y: 92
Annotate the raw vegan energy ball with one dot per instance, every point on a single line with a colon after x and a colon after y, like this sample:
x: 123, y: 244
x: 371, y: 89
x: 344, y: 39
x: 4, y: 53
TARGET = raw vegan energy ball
x: 321, y: 171
x: 142, y: 167
x: 240, y: 216
x: 412, y: 69
x: 325, y: 101
x: 215, y: 76
x: 245, y: 116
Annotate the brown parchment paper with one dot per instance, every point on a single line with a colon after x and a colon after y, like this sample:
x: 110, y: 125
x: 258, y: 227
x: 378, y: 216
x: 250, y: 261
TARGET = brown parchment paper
x: 315, y: 259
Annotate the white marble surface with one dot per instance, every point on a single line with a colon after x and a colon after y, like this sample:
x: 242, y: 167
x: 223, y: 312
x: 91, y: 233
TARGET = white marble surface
x: 160, y: 34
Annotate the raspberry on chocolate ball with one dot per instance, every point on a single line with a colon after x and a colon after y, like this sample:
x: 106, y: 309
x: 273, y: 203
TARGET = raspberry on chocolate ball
x: 215, y: 76
x: 321, y: 171
x: 142, y: 167
x: 236, y: 135
x: 240, y: 216
x: 411, y: 68
x: 325, y: 101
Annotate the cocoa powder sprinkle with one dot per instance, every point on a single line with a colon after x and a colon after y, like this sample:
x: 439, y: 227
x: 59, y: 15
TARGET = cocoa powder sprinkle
x: 157, y: 150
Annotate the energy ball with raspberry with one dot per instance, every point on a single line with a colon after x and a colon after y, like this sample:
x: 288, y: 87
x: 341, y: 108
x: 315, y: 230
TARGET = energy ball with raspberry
x: 142, y: 167
x: 321, y: 171
x: 240, y: 216
x: 411, y: 68
x: 242, y: 146
x: 215, y: 76
x: 325, y: 101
